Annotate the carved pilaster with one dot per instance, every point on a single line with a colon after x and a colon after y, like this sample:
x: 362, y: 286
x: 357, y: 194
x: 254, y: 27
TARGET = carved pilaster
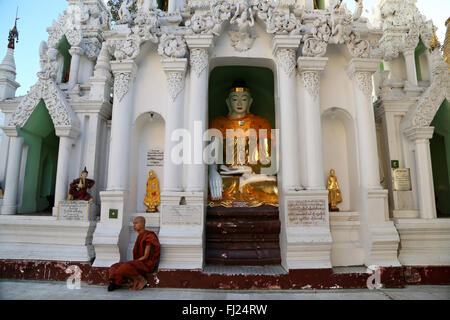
x: 311, y: 81
x: 199, y: 60
x: 124, y: 72
x: 287, y: 60
x: 310, y: 69
x: 176, y: 73
x: 360, y: 71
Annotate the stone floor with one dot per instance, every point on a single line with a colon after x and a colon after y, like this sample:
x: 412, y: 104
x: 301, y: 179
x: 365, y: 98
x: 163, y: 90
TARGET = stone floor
x: 41, y: 290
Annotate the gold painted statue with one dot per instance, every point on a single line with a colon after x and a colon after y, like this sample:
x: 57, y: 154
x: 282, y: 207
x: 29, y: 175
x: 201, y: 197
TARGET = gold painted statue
x: 241, y: 181
x: 153, y: 197
x: 334, y: 192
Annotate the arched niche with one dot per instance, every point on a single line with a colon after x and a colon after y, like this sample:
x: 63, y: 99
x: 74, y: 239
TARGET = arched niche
x: 149, y: 135
x: 340, y: 154
x: 440, y: 159
x: 38, y: 192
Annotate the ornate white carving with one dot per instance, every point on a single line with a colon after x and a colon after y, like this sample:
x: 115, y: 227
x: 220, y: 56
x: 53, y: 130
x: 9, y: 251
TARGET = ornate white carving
x: 316, y: 42
x: 125, y: 16
x: 311, y: 81
x: 341, y: 21
x: 121, y: 85
x: 243, y: 35
x: 402, y: 26
x: 287, y: 60
x: 424, y: 112
x: 172, y: 46
x: 364, y: 82
x: 283, y: 22
x: 57, y: 106
x: 358, y: 48
x: 175, y: 81
x: 199, y: 60
x: 264, y: 9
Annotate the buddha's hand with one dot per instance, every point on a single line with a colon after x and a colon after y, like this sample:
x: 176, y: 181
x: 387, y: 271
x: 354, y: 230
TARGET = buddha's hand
x: 215, y: 184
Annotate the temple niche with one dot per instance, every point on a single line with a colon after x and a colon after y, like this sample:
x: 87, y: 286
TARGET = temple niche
x: 137, y: 95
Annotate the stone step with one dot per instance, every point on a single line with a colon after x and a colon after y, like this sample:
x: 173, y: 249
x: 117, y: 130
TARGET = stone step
x: 243, y: 227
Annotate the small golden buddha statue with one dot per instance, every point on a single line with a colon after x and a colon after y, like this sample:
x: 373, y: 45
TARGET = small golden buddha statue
x: 334, y: 192
x: 241, y: 182
x: 153, y: 197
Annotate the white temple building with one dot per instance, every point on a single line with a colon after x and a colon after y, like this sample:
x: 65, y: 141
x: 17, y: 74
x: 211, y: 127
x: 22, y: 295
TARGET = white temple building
x: 369, y: 99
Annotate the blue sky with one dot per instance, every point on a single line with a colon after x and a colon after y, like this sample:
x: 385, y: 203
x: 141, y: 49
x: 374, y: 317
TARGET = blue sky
x: 37, y: 15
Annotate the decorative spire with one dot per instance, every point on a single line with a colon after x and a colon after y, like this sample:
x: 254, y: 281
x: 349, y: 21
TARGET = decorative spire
x: 434, y: 42
x: 447, y: 43
x: 13, y: 33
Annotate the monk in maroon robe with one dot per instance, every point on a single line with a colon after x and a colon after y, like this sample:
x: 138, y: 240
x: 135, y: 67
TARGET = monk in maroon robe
x: 145, y: 258
x: 79, y: 188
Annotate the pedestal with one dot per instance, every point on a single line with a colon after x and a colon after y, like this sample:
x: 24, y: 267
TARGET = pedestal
x: 306, y: 225
x: 182, y: 230
x: 110, y: 237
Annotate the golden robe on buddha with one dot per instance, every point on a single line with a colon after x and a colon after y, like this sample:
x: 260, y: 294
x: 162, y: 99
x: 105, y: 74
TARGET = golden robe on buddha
x: 251, y: 189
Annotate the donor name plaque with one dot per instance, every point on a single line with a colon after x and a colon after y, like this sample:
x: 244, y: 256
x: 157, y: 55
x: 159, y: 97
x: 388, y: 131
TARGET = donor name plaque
x: 155, y: 158
x: 307, y: 212
x: 182, y: 215
x: 402, y: 180
x: 75, y: 210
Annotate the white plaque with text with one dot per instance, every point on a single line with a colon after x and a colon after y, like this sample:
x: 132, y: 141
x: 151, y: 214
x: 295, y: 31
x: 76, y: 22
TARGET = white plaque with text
x: 76, y: 210
x: 155, y: 158
x: 307, y: 212
x: 182, y: 215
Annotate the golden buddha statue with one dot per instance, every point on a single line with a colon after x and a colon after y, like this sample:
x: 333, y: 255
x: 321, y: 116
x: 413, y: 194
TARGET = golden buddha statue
x: 246, y: 151
x: 334, y: 192
x: 153, y: 197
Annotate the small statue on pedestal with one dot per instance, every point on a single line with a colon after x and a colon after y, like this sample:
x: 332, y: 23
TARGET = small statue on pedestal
x: 153, y: 197
x: 334, y: 195
x: 80, y: 188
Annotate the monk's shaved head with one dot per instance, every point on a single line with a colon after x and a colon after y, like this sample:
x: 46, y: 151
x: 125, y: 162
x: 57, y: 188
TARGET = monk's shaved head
x: 139, y: 224
x: 140, y: 220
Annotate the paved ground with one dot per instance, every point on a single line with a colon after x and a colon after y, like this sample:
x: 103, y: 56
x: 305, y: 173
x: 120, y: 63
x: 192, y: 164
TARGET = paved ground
x: 38, y: 290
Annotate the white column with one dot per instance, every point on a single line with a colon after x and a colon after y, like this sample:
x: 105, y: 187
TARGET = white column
x: 360, y: 71
x: 198, y: 109
x: 119, y: 156
x: 176, y: 71
x: 62, y: 173
x: 76, y: 53
x: 285, y: 50
x: 310, y: 69
x: 410, y: 61
x: 424, y: 172
x: 12, y: 175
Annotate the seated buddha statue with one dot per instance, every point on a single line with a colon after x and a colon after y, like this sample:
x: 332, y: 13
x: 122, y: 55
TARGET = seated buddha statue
x: 246, y: 143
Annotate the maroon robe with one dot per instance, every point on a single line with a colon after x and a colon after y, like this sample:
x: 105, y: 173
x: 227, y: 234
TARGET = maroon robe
x: 81, y: 194
x: 135, y: 268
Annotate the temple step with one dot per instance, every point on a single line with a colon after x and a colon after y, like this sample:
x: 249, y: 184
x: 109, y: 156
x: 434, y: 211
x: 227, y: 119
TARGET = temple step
x: 243, y: 236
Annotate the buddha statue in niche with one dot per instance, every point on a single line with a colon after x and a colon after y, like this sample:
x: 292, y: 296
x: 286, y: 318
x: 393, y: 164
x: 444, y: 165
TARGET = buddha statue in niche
x: 246, y: 143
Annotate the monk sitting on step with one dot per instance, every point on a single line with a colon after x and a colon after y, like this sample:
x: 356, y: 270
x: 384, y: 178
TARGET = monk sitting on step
x: 146, y: 256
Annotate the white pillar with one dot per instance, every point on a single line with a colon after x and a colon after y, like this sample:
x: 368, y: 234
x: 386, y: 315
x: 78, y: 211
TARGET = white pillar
x: 285, y: 50
x: 176, y: 71
x: 76, y: 53
x: 62, y: 173
x: 119, y: 156
x: 12, y: 175
x: 424, y: 172
x: 410, y: 61
x: 361, y: 70
x: 310, y: 69
x: 198, y: 109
